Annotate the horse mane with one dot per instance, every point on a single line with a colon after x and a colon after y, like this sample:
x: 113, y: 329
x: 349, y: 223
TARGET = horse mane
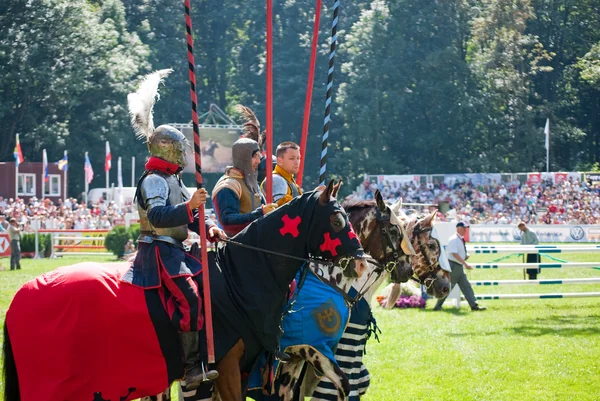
x: 353, y: 204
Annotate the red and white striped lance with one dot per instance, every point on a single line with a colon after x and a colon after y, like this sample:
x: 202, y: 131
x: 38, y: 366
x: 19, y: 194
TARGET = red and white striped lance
x: 198, y: 163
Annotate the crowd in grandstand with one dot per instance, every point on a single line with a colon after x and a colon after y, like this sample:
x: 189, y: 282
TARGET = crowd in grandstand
x: 568, y: 202
x: 61, y: 215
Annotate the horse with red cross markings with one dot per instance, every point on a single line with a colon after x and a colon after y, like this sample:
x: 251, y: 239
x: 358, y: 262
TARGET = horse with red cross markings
x: 127, y: 353
x: 320, y: 310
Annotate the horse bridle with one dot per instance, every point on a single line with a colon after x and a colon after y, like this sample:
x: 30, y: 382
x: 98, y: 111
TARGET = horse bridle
x: 390, y: 261
x: 431, y: 268
x: 389, y: 264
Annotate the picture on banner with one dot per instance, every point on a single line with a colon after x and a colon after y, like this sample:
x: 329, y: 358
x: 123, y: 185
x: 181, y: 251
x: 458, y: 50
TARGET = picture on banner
x: 215, y: 145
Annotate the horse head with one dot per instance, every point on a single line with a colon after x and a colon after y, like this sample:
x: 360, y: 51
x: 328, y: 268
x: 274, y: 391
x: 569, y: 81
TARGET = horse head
x: 333, y: 238
x: 426, y: 260
x: 383, y: 236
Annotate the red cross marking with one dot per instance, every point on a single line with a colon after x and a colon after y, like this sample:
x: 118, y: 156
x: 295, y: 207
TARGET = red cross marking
x: 290, y: 226
x: 352, y: 233
x: 330, y: 244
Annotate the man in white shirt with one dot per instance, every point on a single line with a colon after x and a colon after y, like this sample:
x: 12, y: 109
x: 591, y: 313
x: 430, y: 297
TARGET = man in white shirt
x: 457, y: 256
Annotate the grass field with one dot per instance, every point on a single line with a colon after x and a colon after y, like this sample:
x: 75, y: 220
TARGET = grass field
x: 516, y: 350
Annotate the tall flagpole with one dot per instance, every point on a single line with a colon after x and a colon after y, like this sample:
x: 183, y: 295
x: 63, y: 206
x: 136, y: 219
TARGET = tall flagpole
x: 66, y: 175
x: 44, y: 163
x: 107, y: 161
x: 133, y: 171
x: 547, y: 134
x: 87, y: 184
x: 16, y: 179
x: 17, y: 154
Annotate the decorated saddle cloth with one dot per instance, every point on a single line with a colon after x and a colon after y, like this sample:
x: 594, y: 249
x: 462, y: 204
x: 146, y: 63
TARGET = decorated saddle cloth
x: 79, y: 333
x: 318, y: 319
x: 349, y: 353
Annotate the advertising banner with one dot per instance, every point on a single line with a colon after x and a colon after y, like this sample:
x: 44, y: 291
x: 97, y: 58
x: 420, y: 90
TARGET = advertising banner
x: 4, y: 245
x: 534, y: 178
x: 545, y: 233
x: 396, y: 181
x: 87, y: 241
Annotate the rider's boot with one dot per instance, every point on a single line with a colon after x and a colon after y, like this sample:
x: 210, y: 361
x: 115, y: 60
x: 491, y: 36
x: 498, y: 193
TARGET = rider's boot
x: 194, y: 368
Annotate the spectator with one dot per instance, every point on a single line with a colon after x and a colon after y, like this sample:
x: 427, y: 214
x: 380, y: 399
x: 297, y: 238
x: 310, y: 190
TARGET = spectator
x: 14, y: 234
x: 530, y: 238
x: 129, y: 249
x: 457, y: 256
x: 3, y: 222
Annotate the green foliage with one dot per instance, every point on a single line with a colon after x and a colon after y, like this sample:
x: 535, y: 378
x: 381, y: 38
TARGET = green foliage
x: 134, y: 232
x: 116, y: 239
x: 46, y: 245
x: 420, y: 87
x: 27, y: 242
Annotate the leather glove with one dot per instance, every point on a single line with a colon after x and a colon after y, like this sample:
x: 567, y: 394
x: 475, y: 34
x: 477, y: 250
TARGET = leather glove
x: 268, y: 208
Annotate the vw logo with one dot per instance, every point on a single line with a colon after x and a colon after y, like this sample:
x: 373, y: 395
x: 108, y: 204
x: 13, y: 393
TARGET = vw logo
x: 517, y: 234
x: 3, y: 244
x: 577, y: 233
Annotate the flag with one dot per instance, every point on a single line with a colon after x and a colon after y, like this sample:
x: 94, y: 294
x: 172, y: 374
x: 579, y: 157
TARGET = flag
x: 547, y: 132
x: 18, y: 153
x: 107, y: 161
x: 63, y: 164
x: 89, y: 172
x: 45, y: 165
x: 119, y: 183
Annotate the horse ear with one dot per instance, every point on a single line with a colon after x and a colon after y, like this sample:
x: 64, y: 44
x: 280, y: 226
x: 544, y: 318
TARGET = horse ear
x: 428, y: 221
x: 406, y: 246
x: 326, y: 195
x: 396, y: 207
x: 380, y: 202
x: 336, y: 188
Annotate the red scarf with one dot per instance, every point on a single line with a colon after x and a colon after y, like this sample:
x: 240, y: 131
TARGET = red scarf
x: 157, y: 164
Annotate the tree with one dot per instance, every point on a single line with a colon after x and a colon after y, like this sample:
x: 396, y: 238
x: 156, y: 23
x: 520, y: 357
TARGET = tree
x: 66, y: 69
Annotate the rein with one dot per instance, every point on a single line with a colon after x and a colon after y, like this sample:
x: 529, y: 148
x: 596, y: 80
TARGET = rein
x: 343, y: 264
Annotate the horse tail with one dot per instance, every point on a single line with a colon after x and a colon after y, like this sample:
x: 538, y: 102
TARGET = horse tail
x: 11, y: 379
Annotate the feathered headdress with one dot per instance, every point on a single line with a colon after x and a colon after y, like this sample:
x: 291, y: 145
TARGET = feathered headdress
x: 142, y: 101
x: 251, y: 126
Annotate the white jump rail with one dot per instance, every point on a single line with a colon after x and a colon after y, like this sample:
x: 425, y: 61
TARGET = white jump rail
x: 528, y: 249
x: 539, y: 249
x: 536, y: 282
x: 554, y: 265
x: 489, y: 297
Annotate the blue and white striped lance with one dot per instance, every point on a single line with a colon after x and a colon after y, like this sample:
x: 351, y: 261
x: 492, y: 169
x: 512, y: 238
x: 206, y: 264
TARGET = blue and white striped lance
x: 537, y: 282
x: 329, y: 93
x: 534, y: 265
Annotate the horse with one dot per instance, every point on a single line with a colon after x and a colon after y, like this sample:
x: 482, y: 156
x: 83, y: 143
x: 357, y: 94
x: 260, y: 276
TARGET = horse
x: 70, y: 333
x: 381, y: 231
x: 385, y: 240
x: 209, y: 149
x: 428, y: 268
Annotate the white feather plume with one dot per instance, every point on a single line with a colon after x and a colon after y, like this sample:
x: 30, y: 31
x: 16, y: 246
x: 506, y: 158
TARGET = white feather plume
x: 142, y: 101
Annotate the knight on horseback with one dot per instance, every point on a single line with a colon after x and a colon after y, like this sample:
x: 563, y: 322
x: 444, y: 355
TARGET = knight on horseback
x: 166, y: 212
x: 236, y: 196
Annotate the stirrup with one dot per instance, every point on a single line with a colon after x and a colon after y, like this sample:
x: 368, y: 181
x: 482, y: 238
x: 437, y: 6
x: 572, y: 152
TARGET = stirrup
x: 282, y: 356
x: 208, y: 375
